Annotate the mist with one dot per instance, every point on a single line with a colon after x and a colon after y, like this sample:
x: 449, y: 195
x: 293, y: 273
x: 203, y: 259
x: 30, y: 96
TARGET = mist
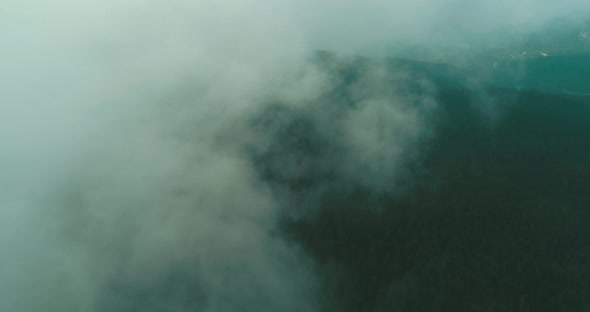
x: 150, y: 150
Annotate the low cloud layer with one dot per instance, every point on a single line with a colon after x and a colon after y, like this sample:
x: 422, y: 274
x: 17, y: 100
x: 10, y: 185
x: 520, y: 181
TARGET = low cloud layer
x: 129, y: 149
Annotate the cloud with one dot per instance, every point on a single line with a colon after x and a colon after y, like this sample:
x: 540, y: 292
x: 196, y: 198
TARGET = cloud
x: 125, y: 184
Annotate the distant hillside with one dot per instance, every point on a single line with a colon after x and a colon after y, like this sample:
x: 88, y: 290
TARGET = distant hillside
x: 555, y: 58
